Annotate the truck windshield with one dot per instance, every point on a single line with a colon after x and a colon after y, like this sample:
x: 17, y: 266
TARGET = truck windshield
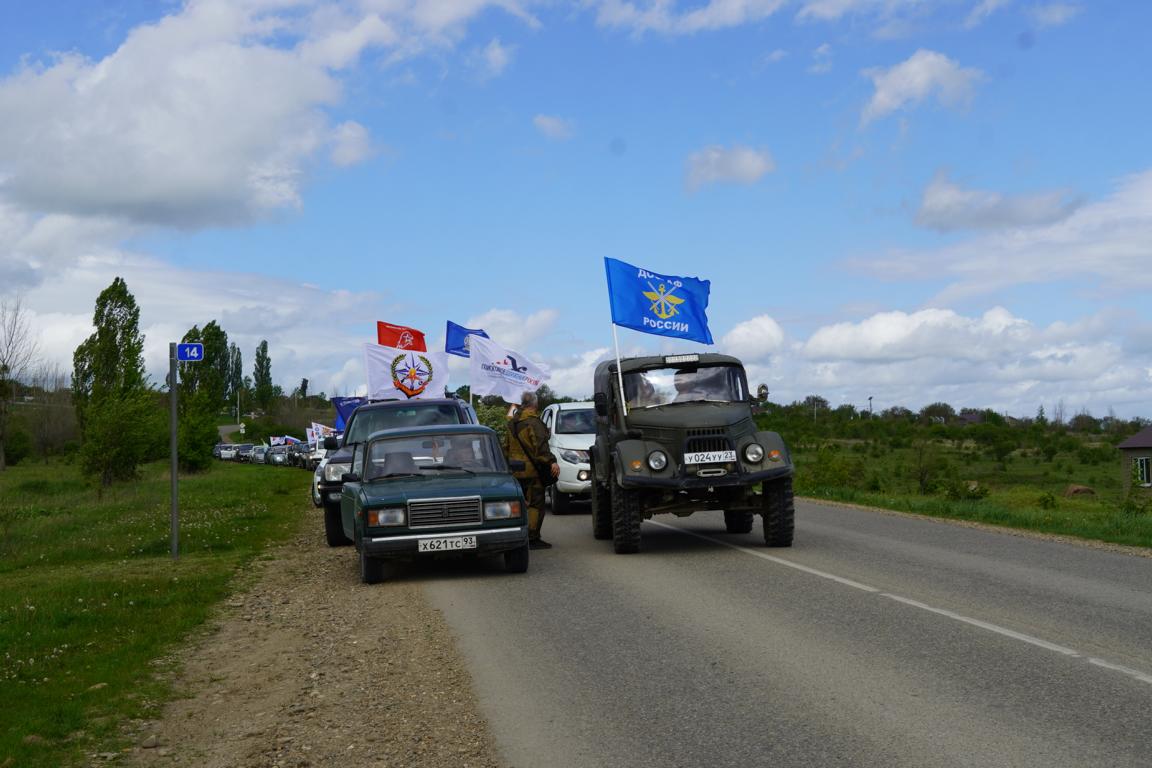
x: 664, y: 386
x: 372, y: 420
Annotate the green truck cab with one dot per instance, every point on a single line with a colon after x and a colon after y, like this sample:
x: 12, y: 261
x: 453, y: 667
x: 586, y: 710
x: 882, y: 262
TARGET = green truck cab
x: 675, y: 434
x: 433, y: 491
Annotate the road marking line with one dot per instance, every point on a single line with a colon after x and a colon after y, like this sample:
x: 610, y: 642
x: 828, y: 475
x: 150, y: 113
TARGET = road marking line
x: 1031, y: 640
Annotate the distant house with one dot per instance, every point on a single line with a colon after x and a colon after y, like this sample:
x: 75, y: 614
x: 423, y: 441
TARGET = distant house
x: 1137, y: 450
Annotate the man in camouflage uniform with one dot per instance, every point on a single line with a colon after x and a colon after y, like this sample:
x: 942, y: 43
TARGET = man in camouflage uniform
x: 527, y: 441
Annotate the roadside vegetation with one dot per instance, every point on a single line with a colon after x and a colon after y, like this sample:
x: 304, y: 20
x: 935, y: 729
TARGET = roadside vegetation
x: 1057, y: 476
x: 90, y: 598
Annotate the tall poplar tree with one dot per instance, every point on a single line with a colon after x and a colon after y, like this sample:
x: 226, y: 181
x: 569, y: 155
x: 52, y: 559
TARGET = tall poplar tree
x: 262, y: 377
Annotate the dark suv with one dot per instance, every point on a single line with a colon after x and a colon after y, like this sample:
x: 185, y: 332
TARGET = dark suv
x: 682, y: 439
x: 366, y: 420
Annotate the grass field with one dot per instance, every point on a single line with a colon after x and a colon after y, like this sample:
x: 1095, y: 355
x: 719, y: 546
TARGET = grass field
x: 1025, y: 491
x: 90, y: 598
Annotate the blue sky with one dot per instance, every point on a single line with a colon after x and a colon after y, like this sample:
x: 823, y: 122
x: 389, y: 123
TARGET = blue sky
x: 904, y: 199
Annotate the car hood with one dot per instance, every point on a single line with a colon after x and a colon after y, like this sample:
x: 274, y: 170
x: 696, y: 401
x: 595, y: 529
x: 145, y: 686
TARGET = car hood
x: 401, y: 490
x: 573, y: 442
x: 689, y: 415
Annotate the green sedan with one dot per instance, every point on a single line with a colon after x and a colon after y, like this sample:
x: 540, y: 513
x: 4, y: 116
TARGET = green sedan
x: 425, y: 492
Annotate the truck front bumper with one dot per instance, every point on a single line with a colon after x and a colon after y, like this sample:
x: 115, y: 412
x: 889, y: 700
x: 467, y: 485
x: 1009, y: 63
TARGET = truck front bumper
x: 696, y: 483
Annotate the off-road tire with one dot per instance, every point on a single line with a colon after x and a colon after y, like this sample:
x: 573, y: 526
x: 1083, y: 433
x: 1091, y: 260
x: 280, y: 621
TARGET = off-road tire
x: 738, y: 522
x: 601, y: 511
x: 625, y: 520
x: 371, y: 568
x: 516, y: 560
x: 334, y: 527
x: 779, y: 512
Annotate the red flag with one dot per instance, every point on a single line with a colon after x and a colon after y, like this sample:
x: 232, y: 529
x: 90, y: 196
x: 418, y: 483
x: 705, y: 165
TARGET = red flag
x: 400, y: 337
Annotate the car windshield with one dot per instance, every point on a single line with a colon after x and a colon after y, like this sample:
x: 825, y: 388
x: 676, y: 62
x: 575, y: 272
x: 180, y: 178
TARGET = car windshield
x: 372, y: 420
x: 429, y: 454
x: 577, y: 421
x: 664, y: 386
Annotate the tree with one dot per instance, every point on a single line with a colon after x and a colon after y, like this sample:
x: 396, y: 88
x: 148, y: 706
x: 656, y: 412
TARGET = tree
x: 262, y: 377
x: 235, y: 374
x: 110, y: 389
x: 17, y: 348
x: 939, y: 413
x: 303, y: 388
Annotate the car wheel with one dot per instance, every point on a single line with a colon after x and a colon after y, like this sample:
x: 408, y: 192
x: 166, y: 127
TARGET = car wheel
x: 738, y: 522
x: 371, y: 568
x: 779, y: 512
x: 626, y: 511
x: 334, y: 527
x: 561, y: 502
x: 516, y: 560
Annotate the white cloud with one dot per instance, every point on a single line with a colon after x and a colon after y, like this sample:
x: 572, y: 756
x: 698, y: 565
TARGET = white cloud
x: 777, y: 55
x: 1053, y: 14
x: 924, y: 73
x: 821, y: 60
x: 494, y: 58
x: 982, y: 11
x: 732, y: 165
x: 512, y: 329
x: 832, y: 10
x: 755, y: 339
x: 946, y: 206
x: 1108, y: 242
x: 351, y: 144
x: 663, y: 16
x: 553, y: 127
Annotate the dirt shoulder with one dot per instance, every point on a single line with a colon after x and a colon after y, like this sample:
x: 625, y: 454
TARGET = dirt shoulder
x: 308, y: 667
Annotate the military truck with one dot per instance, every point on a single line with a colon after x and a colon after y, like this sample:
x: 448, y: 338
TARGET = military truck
x: 675, y: 434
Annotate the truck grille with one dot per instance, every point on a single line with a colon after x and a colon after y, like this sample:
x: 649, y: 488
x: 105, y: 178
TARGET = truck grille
x: 428, y: 513
x: 707, y: 443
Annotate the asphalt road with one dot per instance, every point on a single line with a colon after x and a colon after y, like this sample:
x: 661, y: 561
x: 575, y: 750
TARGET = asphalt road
x: 876, y: 640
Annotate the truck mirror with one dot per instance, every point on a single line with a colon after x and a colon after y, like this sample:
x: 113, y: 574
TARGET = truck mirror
x: 330, y: 443
x: 600, y: 401
x: 762, y: 392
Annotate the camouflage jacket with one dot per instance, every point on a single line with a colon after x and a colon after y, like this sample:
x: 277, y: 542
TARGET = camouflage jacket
x: 534, y: 435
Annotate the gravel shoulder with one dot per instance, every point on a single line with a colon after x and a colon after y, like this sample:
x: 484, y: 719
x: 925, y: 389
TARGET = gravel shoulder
x: 305, y: 666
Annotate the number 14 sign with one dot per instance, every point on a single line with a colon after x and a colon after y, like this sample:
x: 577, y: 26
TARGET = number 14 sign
x: 190, y: 353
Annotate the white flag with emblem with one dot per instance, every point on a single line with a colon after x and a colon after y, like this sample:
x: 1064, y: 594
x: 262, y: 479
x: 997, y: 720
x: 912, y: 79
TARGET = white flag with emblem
x: 503, y: 372
x: 404, y: 374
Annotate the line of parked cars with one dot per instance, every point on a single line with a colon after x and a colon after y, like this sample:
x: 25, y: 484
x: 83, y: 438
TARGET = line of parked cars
x: 300, y: 455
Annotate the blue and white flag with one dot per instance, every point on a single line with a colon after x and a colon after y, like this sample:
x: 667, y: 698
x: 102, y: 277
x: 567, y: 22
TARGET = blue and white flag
x: 503, y: 372
x: 662, y: 304
x: 344, y: 407
x: 456, y: 339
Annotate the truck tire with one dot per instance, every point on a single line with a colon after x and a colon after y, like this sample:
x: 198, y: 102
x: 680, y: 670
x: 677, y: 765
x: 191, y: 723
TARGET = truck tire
x: 516, y: 560
x: 601, y: 510
x: 779, y: 512
x: 334, y: 527
x: 371, y: 568
x: 738, y: 522
x: 625, y: 520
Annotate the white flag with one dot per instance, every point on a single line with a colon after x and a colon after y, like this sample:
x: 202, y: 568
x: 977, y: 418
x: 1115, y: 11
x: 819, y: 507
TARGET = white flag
x: 310, y: 436
x: 404, y: 374
x: 503, y: 372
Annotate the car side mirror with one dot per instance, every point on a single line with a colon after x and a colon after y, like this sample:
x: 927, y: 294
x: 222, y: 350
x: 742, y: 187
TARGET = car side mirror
x: 349, y: 477
x: 515, y: 465
x: 600, y: 401
x: 330, y: 443
x: 762, y: 393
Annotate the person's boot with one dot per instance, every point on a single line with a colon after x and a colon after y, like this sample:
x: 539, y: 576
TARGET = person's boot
x: 538, y: 544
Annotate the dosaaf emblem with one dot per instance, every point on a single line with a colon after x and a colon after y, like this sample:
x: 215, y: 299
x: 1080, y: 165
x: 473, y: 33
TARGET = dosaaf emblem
x: 663, y: 302
x: 411, y: 373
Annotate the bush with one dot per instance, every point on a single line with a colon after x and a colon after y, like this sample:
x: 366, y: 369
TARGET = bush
x: 1047, y: 500
x: 17, y: 447
x: 121, y: 433
x: 964, y: 490
x: 197, y: 435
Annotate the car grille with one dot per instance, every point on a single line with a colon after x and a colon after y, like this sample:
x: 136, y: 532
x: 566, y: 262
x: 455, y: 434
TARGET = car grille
x: 707, y: 440
x: 428, y: 513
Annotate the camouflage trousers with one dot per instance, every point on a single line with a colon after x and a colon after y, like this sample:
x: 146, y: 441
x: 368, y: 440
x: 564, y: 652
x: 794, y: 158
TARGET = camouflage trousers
x: 534, y: 495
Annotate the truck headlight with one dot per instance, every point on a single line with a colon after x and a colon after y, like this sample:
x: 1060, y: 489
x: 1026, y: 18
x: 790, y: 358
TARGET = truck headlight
x: 754, y: 453
x: 378, y: 517
x: 501, y: 510
x: 333, y: 472
x: 657, y: 460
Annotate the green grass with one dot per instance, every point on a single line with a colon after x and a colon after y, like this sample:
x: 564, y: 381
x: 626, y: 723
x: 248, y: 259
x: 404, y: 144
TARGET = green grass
x: 1026, y: 492
x: 90, y: 598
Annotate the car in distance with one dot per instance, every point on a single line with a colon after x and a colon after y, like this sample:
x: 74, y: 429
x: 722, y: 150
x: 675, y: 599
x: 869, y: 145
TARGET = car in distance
x: 258, y: 454
x: 682, y: 440
x: 572, y: 429
x: 421, y: 492
x: 365, y: 420
x: 277, y: 456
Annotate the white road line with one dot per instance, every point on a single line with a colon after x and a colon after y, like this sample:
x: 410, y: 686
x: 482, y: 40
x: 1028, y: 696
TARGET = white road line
x: 1031, y: 640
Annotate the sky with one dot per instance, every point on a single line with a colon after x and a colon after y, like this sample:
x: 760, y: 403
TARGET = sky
x: 911, y: 201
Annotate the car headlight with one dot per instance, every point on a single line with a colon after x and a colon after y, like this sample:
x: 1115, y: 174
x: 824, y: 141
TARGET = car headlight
x: 333, y: 472
x: 378, y: 517
x: 501, y: 510
x: 754, y: 453
x: 657, y: 460
x: 574, y: 457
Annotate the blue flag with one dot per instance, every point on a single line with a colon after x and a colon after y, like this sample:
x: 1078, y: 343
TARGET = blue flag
x: 344, y: 408
x: 456, y: 339
x: 662, y: 304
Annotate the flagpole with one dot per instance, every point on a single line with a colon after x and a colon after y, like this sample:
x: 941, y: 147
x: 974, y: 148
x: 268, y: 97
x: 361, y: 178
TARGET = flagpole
x: 619, y: 373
